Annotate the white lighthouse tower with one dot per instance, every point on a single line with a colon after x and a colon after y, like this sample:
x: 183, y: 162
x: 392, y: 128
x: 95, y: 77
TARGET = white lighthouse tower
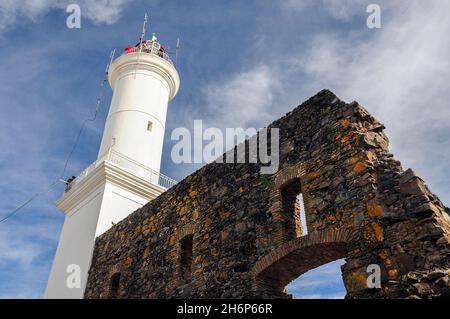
x: 126, y: 174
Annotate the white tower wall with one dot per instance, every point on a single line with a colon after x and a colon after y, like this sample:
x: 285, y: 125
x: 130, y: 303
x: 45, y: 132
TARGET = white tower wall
x: 141, y: 96
x: 126, y: 174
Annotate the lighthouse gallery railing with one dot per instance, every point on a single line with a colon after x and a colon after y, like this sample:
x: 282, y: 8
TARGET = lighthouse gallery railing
x: 132, y: 166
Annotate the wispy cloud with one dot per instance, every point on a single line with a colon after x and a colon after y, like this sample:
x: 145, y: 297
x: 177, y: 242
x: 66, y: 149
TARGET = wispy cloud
x: 242, y: 98
x: 338, y: 9
x: 99, y: 11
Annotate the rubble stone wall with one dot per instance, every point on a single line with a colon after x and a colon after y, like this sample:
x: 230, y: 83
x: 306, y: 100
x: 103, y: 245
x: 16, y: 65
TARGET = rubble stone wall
x: 246, y: 235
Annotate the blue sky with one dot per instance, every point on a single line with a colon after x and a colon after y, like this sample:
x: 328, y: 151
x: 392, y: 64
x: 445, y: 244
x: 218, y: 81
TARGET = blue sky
x: 242, y: 64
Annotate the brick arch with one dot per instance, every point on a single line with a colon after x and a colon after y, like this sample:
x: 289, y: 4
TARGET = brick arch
x: 276, y: 270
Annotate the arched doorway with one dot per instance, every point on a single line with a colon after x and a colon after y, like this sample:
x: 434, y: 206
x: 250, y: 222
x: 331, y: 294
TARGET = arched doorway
x: 323, y: 282
x: 276, y: 270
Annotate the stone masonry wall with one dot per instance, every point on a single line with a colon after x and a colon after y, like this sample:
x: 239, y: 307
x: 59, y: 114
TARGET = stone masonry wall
x: 246, y: 236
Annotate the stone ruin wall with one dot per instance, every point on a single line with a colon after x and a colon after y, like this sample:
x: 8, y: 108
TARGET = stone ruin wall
x: 244, y: 228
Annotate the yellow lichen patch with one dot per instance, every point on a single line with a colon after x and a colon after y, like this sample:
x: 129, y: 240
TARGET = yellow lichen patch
x: 241, y: 189
x: 371, y: 156
x: 374, y: 210
x: 195, y: 215
x: 359, y: 167
x: 172, y: 240
x: 129, y: 261
x: 345, y: 123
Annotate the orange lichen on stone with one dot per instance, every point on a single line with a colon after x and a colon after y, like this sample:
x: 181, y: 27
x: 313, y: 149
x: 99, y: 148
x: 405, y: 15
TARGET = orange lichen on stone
x: 193, y: 194
x: 198, y: 270
x: 378, y: 232
x: 374, y: 210
x: 208, y: 222
x: 345, y: 138
x: 354, y: 159
x: 393, y: 274
x: 356, y: 280
x: 241, y: 189
x: 146, y: 252
x: 182, y: 210
x: 195, y: 215
x: 383, y: 254
x: 313, y: 175
x: 129, y: 261
x: 172, y: 240
x: 359, y: 167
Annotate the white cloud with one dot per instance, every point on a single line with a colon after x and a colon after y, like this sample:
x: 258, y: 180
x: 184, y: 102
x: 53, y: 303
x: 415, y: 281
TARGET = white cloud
x: 98, y: 11
x: 401, y: 75
x: 238, y: 100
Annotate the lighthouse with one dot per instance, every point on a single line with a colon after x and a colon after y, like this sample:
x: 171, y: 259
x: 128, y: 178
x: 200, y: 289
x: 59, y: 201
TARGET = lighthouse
x: 126, y: 174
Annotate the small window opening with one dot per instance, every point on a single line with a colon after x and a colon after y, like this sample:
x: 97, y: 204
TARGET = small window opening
x: 294, y: 213
x: 186, y: 256
x: 149, y: 126
x: 300, y: 206
x: 115, y: 285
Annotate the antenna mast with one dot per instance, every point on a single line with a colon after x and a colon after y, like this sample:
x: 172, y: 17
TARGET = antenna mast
x: 144, y: 29
x: 111, y: 58
x: 176, y: 51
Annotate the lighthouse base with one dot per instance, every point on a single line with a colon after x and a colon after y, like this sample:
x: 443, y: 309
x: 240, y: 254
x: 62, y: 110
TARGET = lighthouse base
x: 103, y: 198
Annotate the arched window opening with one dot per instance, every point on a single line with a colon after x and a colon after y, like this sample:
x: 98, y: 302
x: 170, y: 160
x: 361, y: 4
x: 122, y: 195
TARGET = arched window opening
x: 186, y: 246
x: 324, y: 282
x: 294, y: 213
x: 114, y: 285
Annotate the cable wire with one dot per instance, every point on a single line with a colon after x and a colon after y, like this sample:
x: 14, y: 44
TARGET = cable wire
x: 43, y: 192
x: 99, y: 98
x: 61, y: 178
